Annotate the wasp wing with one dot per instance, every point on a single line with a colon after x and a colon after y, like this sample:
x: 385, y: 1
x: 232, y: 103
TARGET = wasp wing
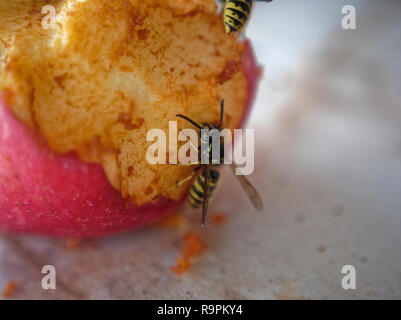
x: 250, y: 190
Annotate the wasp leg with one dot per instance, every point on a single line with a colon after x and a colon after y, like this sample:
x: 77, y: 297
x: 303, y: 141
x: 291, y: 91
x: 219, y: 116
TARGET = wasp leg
x: 180, y: 182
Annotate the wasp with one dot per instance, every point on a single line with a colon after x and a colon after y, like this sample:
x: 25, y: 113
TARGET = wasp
x: 236, y: 14
x: 206, y: 182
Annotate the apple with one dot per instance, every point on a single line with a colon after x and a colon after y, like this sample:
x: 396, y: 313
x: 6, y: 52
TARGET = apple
x: 62, y: 196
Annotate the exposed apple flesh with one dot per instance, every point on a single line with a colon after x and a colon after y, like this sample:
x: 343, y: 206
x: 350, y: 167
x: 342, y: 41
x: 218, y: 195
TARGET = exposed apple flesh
x: 62, y: 196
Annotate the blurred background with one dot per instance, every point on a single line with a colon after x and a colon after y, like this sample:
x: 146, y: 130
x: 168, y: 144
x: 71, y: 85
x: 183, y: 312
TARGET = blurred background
x: 328, y: 165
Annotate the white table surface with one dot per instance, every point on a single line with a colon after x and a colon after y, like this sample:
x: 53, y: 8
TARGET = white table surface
x: 328, y: 165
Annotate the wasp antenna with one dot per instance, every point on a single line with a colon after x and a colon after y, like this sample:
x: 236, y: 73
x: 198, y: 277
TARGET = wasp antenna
x: 189, y: 120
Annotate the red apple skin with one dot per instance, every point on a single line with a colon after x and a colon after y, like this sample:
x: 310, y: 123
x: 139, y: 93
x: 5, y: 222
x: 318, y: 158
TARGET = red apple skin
x: 60, y: 195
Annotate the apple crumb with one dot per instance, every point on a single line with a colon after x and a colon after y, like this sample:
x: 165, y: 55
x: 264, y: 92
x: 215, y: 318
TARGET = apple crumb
x: 9, y: 289
x: 219, y: 218
x: 72, y: 243
x: 193, y: 246
x: 173, y: 221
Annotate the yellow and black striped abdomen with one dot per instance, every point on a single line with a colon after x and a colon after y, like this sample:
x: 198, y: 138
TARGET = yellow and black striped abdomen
x: 236, y: 14
x: 196, y: 194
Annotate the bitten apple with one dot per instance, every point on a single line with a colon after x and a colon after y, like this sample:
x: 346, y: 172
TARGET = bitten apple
x: 55, y: 179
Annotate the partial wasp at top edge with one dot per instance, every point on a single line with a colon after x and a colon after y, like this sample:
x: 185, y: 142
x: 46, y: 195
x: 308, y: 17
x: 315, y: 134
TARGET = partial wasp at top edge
x: 237, y: 13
